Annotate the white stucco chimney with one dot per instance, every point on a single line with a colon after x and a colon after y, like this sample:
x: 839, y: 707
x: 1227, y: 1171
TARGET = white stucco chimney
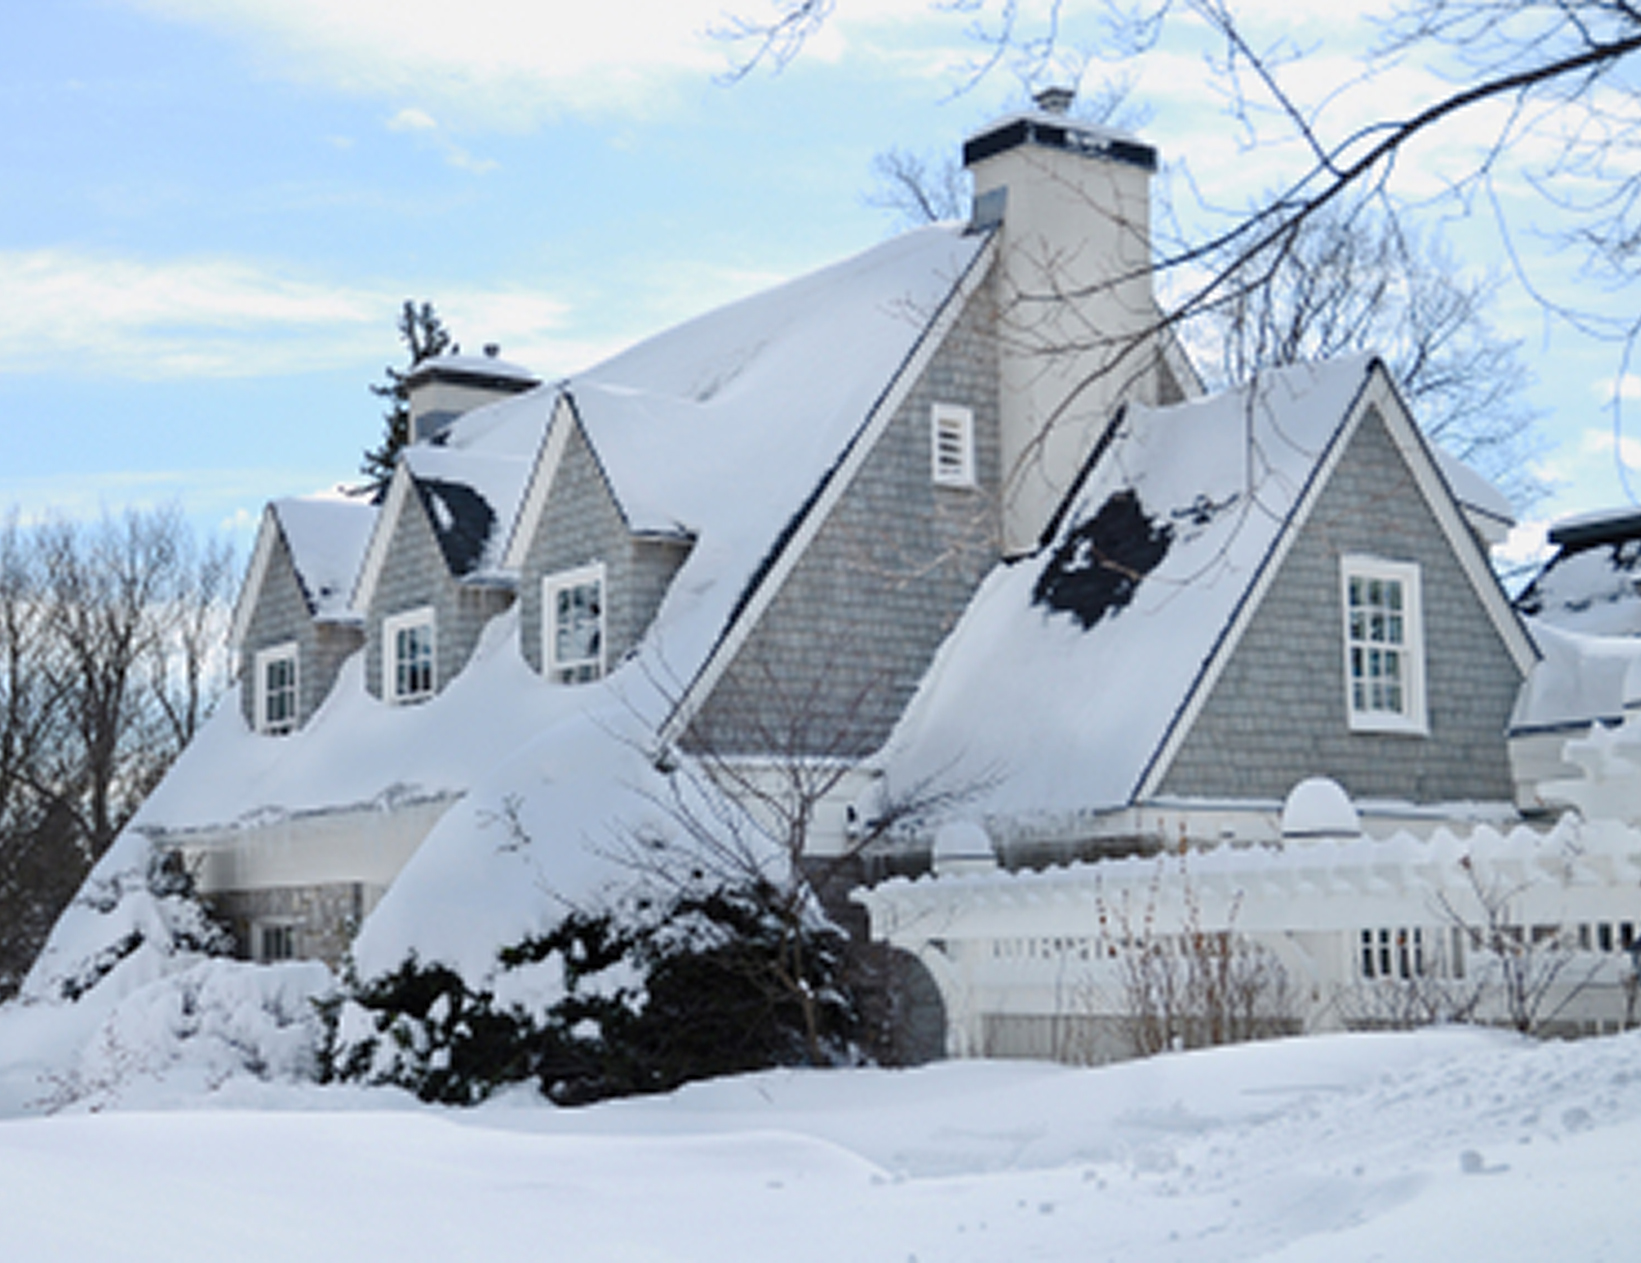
x: 1074, y: 203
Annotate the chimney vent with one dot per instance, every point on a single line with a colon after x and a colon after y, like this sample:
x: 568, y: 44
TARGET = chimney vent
x: 1055, y: 100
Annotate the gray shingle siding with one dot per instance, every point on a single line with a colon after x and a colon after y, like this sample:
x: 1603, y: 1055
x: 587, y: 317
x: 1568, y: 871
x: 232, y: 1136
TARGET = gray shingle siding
x: 279, y: 616
x: 414, y: 574
x: 581, y: 524
x: 840, y: 649
x: 1278, y: 712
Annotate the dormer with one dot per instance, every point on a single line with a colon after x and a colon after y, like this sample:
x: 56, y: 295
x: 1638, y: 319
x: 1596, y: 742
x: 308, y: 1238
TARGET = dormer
x: 449, y: 386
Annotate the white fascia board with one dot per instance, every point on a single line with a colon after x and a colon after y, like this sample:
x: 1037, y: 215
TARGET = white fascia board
x: 1445, y: 506
x: 267, y: 536
x: 381, y: 536
x: 548, y: 456
x: 888, y: 404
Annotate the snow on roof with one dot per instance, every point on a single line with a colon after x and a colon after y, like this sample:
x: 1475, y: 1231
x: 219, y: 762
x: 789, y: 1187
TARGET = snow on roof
x: 1062, y: 680
x: 508, y: 427
x: 723, y: 426
x: 775, y: 384
x: 1593, y: 588
x: 1472, y: 490
x: 327, y: 536
x: 471, y: 497
x: 1594, y: 524
x: 1579, y: 679
x: 471, y: 366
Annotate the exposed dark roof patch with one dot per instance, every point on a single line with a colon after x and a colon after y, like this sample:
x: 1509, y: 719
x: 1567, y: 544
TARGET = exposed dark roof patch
x: 462, y: 520
x: 1099, y: 565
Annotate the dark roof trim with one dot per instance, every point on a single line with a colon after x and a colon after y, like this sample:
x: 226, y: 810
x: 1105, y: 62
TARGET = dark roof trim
x: 1069, y: 137
x: 499, y: 382
x: 1609, y: 529
x: 1052, y: 528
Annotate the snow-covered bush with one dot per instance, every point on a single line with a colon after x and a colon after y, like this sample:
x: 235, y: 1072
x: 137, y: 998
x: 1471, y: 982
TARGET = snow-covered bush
x: 641, y: 997
x: 136, y: 918
x: 214, y: 1021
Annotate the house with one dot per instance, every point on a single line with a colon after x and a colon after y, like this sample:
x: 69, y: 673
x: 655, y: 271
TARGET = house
x: 1584, y: 609
x: 1259, y: 586
x: 949, y: 507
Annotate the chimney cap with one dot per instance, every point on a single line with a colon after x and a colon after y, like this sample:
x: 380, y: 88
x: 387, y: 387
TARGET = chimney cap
x: 1054, y: 100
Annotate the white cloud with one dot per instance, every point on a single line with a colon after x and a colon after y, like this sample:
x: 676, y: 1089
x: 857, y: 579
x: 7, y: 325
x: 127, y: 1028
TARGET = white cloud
x: 412, y: 120
x: 97, y: 315
x: 1626, y: 387
x: 183, y: 318
x: 421, y: 122
x: 483, y: 61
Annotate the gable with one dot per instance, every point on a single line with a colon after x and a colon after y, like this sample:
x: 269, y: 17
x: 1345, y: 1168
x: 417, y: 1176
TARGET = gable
x: 1076, y: 674
x: 852, y: 619
x: 1277, y: 710
x: 577, y: 522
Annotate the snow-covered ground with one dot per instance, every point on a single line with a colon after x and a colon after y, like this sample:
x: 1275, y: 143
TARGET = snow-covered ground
x: 1444, y: 1144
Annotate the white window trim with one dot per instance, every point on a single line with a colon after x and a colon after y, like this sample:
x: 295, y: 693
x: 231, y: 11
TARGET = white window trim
x: 1412, y: 718
x: 391, y: 626
x: 551, y: 586
x: 950, y: 417
x: 264, y: 658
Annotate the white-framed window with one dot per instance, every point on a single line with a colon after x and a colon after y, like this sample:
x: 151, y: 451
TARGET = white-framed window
x: 275, y: 940
x: 951, y: 445
x: 1384, y: 645
x: 276, y: 692
x: 407, y: 655
x: 572, y: 624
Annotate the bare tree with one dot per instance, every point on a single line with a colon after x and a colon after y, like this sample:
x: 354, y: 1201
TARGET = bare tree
x: 749, y: 822
x: 110, y: 657
x: 1358, y: 279
x: 1558, y: 73
x: 1189, y: 986
x: 1534, y: 968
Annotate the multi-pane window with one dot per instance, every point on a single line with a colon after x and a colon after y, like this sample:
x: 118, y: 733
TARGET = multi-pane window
x: 407, y: 658
x: 573, y: 624
x: 1384, y: 645
x: 951, y: 437
x: 276, y: 696
x: 275, y: 941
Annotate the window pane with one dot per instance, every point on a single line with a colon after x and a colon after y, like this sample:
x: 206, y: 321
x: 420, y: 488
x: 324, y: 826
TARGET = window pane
x: 578, y: 631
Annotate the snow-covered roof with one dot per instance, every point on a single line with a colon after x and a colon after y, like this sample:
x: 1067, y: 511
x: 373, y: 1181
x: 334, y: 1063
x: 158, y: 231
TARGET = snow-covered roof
x: 471, y: 498
x: 1593, y: 585
x: 724, y: 427
x: 471, y: 366
x: 1479, y: 497
x: 327, y: 537
x: 1070, y: 669
x: 1579, y: 680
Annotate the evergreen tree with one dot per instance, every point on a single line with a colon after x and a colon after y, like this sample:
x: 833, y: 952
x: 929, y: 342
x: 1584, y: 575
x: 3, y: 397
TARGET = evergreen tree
x: 424, y: 336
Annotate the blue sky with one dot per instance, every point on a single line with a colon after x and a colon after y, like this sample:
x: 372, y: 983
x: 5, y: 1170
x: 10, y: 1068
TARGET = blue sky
x: 210, y: 210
